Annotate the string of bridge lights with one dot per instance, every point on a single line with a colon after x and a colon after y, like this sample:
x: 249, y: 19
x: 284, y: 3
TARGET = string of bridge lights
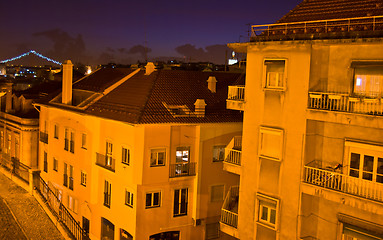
x: 33, y: 52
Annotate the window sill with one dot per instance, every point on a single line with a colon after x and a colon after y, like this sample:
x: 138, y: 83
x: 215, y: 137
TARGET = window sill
x: 180, y: 215
x: 157, y: 165
x: 84, y: 185
x: 127, y: 164
x: 270, y: 158
x: 274, y: 89
x: 148, y: 207
x: 129, y: 205
x: 108, y: 206
x: 269, y: 226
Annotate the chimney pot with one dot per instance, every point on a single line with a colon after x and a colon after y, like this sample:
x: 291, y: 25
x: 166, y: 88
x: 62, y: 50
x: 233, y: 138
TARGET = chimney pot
x: 200, y: 107
x: 66, y: 95
x: 149, y: 68
x: 211, y: 84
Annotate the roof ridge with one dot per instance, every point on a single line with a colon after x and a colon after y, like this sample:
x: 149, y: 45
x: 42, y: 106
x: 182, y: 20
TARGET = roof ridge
x: 157, y: 72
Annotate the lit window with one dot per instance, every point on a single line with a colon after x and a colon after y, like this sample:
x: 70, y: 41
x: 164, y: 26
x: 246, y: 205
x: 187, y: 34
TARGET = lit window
x: 218, y: 153
x: 157, y: 157
x: 182, y: 154
x: 128, y: 198
x: 368, y: 78
x: 109, y: 154
x: 275, y: 73
x: 216, y: 193
x: 271, y: 143
x: 153, y: 199
x: 83, y: 178
x: 180, y: 202
x: 107, y: 193
x: 267, y: 210
x: 125, y: 156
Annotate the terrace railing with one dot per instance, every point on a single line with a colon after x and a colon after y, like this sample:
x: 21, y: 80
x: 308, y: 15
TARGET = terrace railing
x: 233, y: 151
x: 229, y: 211
x: 236, y: 93
x: 182, y: 169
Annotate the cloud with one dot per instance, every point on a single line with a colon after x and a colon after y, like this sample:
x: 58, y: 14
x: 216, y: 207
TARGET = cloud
x: 213, y: 53
x: 64, y: 45
x: 143, y: 51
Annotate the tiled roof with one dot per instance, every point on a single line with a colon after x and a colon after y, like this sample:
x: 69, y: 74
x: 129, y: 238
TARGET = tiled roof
x: 140, y: 99
x: 102, y: 79
x: 311, y: 10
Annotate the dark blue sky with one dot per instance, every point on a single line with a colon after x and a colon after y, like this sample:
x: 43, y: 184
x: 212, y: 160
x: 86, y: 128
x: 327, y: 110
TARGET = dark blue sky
x: 100, y: 31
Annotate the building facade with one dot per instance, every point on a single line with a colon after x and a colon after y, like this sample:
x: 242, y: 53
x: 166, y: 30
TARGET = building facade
x: 138, y: 154
x: 311, y: 156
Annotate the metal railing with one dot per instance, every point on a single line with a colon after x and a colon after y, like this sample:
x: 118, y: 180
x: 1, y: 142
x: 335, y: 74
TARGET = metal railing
x: 236, y: 93
x: 182, y: 169
x: 345, y: 25
x: 229, y: 211
x: 233, y: 151
x: 343, y: 183
x: 106, y: 162
x: 343, y: 102
x: 44, y: 137
x: 60, y: 211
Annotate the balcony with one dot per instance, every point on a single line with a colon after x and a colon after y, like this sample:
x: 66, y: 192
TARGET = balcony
x: 236, y: 98
x: 106, y: 162
x: 229, y: 212
x: 345, y: 28
x: 44, y: 137
x: 182, y: 169
x: 343, y: 102
x: 233, y: 151
x: 328, y: 178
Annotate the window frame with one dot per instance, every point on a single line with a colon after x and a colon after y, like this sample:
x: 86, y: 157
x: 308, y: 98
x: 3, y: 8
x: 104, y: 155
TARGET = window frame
x: 83, y: 178
x: 107, y: 193
x: 84, y: 141
x: 55, y: 164
x: 157, y: 150
x: 265, y: 76
x: 129, y: 198
x: 221, y: 146
x: 369, y: 71
x: 263, y: 200
x: 45, y: 158
x: 125, y: 156
x: 180, y: 202
x: 272, y: 131
x: 56, y: 130
x: 151, y: 193
x: 109, y: 153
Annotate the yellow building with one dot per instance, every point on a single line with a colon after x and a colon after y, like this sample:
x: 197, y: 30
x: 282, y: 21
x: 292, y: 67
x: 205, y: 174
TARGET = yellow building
x: 137, y: 154
x: 312, y: 148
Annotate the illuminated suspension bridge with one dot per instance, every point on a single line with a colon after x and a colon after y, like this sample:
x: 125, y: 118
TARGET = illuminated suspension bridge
x: 31, y: 52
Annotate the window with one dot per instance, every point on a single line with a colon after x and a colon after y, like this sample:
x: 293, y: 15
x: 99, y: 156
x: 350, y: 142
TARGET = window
x: 71, y: 177
x: 65, y: 175
x: 365, y: 161
x: 72, y: 203
x: 125, y: 235
x: 125, y: 155
x: 83, y: 178
x: 275, y: 74
x: 107, y: 193
x: 218, y: 153
x: 267, y: 210
x: 216, y: 193
x: 71, y: 146
x: 66, y: 139
x: 56, y: 131
x: 271, y: 143
x: 212, y: 230
x: 153, y: 199
x: 55, y: 164
x: 180, y: 202
x: 157, y: 157
x: 45, y: 162
x: 182, y: 154
x: 128, y: 198
x: 353, y: 228
x: 109, y: 154
x: 368, y: 78
x: 83, y: 141
x: 69, y: 140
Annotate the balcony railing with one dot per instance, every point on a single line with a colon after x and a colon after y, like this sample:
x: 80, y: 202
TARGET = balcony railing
x: 106, y: 162
x: 236, y: 93
x: 333, y: 28
x: 44, y: 137
x: 343, y: 183
x: 182, y: 169
x: 343, y: 102
x: 229, y: 211
x: 233, y: 151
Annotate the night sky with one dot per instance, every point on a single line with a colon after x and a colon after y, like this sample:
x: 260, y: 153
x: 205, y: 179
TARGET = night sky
x: 98, y: 32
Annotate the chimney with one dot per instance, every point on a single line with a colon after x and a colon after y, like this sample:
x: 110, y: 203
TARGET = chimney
x: 8, y: 97
x: 149, y: 68
x: 200, y: 108
x: 211, y: 84
x: 66, y: 95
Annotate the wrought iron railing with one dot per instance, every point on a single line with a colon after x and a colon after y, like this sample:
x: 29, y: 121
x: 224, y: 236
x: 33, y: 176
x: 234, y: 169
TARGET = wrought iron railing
x: 229, y: 211
x: 60, y: 211
x: 343, y: 183
x: 343, y: 102
x: 44, y: 137
x: 182, y: 169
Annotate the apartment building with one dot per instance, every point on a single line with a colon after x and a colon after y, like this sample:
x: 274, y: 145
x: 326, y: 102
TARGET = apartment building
x: 138, y: 154
x: 311, y: 160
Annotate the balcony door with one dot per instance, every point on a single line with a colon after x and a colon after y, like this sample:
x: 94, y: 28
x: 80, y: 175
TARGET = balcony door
x: 366, y: 162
